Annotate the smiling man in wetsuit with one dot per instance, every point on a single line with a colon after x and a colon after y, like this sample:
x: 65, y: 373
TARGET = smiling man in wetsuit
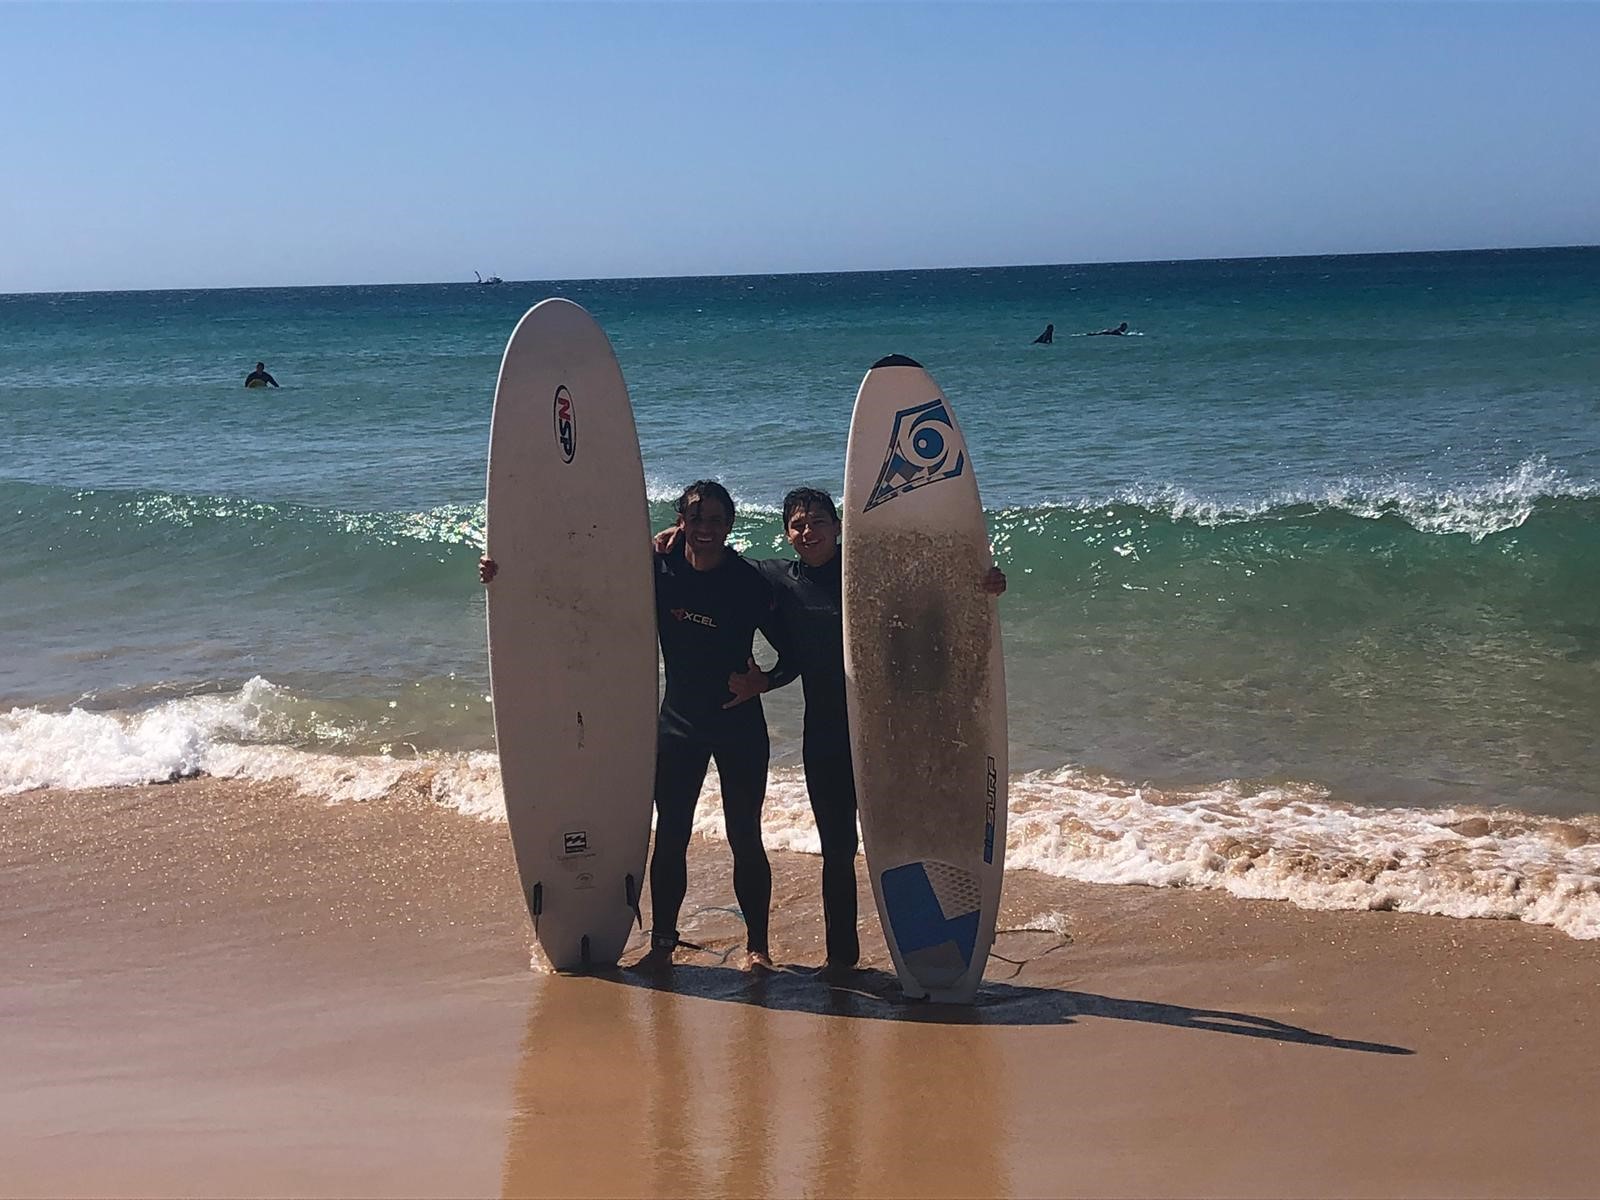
x: 709, y: 604
x: 809, y: 594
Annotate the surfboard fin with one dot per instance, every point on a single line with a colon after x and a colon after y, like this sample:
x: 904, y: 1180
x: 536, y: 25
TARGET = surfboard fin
x: 536, y: 904
x: 631, y: 893
x: 583, y: 951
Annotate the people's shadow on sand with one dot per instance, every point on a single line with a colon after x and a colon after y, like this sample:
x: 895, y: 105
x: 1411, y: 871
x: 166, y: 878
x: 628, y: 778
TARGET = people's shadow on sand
x: 875, y: 994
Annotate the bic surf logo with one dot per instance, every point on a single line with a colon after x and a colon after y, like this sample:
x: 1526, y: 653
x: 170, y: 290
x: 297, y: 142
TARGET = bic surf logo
x: 566, y: 423
x: 989, y: 813
x: 921, y: 451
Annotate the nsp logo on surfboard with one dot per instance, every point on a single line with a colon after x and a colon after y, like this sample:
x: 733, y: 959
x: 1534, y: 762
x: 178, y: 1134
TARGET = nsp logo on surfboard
x: 566, y: 423
x: 919, y: 452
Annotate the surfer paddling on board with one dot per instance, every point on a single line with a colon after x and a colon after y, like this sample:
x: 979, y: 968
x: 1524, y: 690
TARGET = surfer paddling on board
x: 809, y: 591
x: 259, y: 377
x: 1119, y: 331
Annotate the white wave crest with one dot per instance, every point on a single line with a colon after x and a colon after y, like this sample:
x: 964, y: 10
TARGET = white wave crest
x: 449, y: 524
x: 1293, y: 843
x: 1477, y: 512
x: 83, y: 749
x: 230, y: 736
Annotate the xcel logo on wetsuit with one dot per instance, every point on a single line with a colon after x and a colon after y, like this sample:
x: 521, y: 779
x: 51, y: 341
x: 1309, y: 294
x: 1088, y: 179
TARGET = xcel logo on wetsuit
x: 683, y: 614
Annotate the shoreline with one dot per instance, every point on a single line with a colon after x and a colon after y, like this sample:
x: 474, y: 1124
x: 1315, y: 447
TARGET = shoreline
x: 1257, y: 839
x: 220, y: 987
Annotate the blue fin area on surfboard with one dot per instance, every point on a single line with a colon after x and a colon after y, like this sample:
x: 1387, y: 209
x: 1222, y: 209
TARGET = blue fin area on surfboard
x: 920, y: 923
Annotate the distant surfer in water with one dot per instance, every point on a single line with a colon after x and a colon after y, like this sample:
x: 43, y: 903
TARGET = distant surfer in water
x: 1047, y: 337
x: 808, y: 590
x: 1119, y: 331
x: 259, y: 377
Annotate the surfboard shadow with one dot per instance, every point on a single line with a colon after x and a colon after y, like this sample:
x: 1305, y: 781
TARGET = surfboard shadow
x: 873, y: 994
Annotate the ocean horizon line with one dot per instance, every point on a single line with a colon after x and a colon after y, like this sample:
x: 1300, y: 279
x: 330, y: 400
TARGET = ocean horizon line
x: 855, y: 271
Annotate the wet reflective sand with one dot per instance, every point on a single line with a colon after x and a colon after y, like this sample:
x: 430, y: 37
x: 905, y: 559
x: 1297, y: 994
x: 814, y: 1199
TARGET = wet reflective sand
x: 748, y: 1100
x: 226, y: 990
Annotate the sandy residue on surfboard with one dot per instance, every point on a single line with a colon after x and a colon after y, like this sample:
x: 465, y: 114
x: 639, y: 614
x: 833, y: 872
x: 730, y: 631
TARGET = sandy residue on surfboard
x: 932, y: 683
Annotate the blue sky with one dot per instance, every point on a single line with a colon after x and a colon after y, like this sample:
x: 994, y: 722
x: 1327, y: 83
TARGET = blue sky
x: 259, y: 144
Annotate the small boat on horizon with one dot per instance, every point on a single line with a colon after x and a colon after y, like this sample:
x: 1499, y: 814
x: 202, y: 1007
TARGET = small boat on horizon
x: 482, y: 282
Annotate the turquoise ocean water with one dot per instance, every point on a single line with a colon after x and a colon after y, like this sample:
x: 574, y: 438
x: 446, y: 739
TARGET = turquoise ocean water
x: 1305, y: 573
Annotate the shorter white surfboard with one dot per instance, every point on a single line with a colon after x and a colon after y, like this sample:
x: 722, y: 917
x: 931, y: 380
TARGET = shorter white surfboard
x: 925, y: 681
x: 572, y: 633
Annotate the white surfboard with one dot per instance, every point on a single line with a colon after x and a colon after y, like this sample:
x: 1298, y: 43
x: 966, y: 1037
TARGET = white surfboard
x: 925, y: 681
x: 572, y: 634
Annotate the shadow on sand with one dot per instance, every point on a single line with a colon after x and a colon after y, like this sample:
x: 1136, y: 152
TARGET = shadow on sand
x: 875, y: 994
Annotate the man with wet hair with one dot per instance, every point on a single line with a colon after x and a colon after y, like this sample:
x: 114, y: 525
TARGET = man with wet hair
x: 709, y: 604
x: 259, y: 378
x: 809, y: 590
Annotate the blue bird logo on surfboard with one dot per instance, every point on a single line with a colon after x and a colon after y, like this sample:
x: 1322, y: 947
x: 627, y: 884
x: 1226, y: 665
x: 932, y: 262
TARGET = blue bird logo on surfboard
x: 921, y: 451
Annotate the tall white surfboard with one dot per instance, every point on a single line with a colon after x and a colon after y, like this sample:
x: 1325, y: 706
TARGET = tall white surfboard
x: 572, y: 635
x: 925, y: 681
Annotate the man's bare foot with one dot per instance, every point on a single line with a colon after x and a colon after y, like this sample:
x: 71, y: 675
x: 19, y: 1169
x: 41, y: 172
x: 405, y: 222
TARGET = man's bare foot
x: 659, y: 956
x: 756, y: 961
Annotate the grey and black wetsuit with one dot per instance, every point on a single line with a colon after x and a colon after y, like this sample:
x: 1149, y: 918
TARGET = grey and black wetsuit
x: 706, y: 621
x: 809, y: 603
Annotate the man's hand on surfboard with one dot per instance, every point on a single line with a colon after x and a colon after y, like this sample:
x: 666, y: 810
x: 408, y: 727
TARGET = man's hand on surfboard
x: 994, y: 581
x: 487, y: 569
x: 746, y: 684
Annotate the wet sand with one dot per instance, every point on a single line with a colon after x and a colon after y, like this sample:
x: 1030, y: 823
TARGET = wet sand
x: 217, y: 988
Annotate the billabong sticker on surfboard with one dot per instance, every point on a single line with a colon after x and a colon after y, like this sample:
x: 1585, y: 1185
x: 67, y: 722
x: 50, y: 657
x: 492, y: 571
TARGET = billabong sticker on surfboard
x: 572, y: 641
x: 925, y: 679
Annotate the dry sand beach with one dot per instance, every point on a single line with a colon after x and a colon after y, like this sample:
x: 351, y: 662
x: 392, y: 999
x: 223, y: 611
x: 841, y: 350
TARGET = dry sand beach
x: 221, y: 988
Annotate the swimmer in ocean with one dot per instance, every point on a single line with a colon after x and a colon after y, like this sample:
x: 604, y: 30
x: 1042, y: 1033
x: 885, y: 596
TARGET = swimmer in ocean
x: 1047, y: 337
x: 259, y: 377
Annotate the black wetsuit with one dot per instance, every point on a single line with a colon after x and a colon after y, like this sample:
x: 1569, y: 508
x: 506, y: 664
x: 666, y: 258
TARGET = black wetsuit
x: 813, y: 628
x: 260, y: 376
x: 707, y: 621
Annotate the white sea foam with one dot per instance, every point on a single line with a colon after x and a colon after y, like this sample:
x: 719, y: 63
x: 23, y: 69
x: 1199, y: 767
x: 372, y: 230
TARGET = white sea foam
x: 83, y: 749
x: 1293, y: 843
x: 1290, y: 842
x: 1477, y: 512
